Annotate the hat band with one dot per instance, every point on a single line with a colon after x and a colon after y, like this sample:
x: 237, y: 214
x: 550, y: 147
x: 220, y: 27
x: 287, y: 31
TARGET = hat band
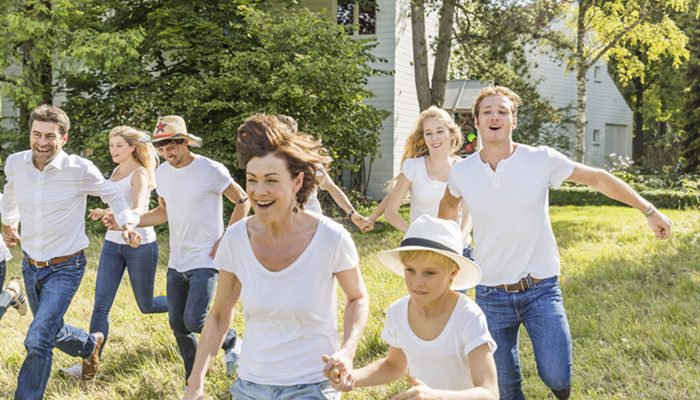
x: 426, y: 243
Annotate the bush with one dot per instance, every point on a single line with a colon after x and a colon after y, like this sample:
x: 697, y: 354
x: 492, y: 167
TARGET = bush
x: 584, y: 196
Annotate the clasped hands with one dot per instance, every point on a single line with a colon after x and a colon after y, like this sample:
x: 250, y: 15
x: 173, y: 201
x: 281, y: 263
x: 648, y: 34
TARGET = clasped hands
x: 338, y: 370
x: 128, y: 234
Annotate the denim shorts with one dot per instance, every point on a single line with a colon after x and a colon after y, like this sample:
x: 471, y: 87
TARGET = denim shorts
x: 246, y: 390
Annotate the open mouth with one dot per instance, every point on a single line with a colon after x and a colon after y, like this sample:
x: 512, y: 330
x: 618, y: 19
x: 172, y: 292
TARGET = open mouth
x: 264, y: 204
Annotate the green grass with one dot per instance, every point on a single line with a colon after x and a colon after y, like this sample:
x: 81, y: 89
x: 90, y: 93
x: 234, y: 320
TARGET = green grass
x: 633, y: 305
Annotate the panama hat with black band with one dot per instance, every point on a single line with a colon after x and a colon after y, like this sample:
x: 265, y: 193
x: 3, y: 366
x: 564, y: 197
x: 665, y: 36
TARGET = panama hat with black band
x: 440, y: 236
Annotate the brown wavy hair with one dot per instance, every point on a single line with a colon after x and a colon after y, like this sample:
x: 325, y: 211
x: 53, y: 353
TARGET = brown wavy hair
x: 263, y: 134
x: 496, y: 91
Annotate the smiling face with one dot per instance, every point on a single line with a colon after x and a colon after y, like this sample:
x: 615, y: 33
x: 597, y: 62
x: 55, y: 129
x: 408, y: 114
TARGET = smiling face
x: 120, y: 150
x: 46, y: 142
x: 496, y: 121
x: 271, y: 188
x: 437, y: 136
x: 176, y: 154
x: 427, y: 280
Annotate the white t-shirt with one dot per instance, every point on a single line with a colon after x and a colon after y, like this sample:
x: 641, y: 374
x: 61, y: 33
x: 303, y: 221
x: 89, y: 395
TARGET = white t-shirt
x: 426, y: 193
x: 148, y: 234
x: 441, y: 363
x: 312, y: 203
x: 4, y: 251
x: 290, y: 315
x: 195, y: 206
x: 510, y: 209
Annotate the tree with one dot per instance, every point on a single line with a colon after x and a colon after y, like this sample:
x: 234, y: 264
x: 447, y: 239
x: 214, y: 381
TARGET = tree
x: 691, y: 110
x: 600, y: 26
x: 217, y: 62
x: 431, y: 91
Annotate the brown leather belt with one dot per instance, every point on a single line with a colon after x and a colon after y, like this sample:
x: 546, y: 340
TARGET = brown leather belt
x: 53, y: 261
x: 520, y: 286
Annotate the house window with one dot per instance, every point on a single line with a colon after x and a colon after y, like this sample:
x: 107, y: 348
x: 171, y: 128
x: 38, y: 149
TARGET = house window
x: 360, y: 14
x: 596, y: 137
x: 596, y: 73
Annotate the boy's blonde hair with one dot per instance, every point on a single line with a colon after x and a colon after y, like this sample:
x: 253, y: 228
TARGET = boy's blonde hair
x: 427, y: 256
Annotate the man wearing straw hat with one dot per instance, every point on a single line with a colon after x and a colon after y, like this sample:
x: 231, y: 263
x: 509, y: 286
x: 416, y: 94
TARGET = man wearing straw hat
x: 506, y: 187
x: 46, y: 193
x: 190, y: 189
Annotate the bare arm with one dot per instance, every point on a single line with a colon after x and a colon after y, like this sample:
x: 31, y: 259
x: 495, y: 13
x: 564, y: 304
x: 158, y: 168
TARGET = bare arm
x: 235, y: 193
x: 156, y: 216
x: 139, y: 190
x: 616, y: 189
x: 382, y: 371
x: 466, y: 221
x: 449, y: 206
x: 341, y: 199
x: 354, y: 321
x: 483, y: 371
x: 228, y: 291
x: 381, y: 207
x: 395, y: 199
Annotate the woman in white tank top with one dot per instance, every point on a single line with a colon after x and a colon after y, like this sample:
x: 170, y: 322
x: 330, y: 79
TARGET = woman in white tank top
x: 134, y: 175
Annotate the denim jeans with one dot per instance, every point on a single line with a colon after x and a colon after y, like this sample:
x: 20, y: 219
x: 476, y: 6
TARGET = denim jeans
x: 49, y: 292
x: 141, y: 262
x: 189, y: 296
x: 541, y: 310
x: 244, y: 390
x: 468, y: 252
x: 5, y: 297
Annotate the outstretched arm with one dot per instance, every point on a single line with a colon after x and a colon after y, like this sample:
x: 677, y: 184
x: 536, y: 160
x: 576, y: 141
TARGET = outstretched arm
x: 381, y: 207
x: 156, y: 216
x: 396, y: 197
x: 449, y: 206
x: 341, y: 199
x: 616, y: 189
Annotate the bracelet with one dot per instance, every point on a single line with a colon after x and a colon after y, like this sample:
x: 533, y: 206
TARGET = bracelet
x: 649, y: 211
x: 242, y: 200
x: 351, y: 213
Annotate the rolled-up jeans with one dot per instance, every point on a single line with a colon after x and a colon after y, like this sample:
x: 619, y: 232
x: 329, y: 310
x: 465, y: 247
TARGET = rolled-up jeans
x: 49, y: 292
x: 189, y: 296
x: 541, y: 310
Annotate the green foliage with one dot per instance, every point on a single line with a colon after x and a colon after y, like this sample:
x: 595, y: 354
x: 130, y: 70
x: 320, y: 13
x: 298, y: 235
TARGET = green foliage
x: 584, y: 196
x: 690, y: 112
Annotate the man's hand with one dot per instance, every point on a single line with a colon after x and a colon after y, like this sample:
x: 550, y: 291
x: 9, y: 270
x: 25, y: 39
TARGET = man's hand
x: 110, y: 222
x: 130, y: 236
x: 9, y: 235
x: 368, y: 225
x: 660, y: 225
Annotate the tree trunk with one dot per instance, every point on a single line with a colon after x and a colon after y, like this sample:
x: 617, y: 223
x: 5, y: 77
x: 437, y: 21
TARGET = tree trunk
x: 443, y: 52
x: 581, y: 68
x: 420, y: 55
x: 638, y: 138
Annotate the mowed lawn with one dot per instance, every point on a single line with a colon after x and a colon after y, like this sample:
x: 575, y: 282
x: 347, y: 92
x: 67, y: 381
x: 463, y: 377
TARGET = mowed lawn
x: 633, y: 305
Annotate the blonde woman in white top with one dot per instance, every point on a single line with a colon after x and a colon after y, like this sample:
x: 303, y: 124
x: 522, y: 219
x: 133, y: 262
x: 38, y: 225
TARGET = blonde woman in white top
x: 428, y: 157
x: 134, y: 175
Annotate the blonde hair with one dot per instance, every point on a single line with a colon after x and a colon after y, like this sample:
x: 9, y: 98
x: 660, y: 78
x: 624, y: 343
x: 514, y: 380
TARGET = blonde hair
x: 496, y: 91
x: 415, y: 143
x: 428, y: 257
x: 144, y: 153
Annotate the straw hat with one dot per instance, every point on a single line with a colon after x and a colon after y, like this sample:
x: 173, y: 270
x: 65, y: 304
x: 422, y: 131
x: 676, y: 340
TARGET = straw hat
x: 173, y: 127
x: 438, y: 235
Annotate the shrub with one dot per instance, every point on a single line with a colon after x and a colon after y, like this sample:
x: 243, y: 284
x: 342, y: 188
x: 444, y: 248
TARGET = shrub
x: 584, y: 196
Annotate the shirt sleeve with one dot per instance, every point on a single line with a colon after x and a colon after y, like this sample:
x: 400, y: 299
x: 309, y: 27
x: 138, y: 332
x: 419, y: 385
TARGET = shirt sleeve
x: 222, y: 177
x: 475, y: 331
x: 346, y: 253
x: 560, y: 167
x: 409, y: 167
x: 390, y: 329
x: 223, y: 258
x: 10, y: 207
x: 452, y: 184
x: 92, y: 183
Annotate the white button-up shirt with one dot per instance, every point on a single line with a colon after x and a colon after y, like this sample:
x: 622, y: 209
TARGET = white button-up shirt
x: 51, y: 203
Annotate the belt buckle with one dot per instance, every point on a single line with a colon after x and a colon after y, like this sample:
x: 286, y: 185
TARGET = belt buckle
x: 42, y: 264
x: 524, y: 285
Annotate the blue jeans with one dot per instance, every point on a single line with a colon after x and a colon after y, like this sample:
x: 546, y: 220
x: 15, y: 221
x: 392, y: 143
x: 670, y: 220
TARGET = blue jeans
x: 189, y: 296
x: 49, y: 292
x: 244, y: 390
x: 468, y: 252
x: 541, y: 310
x: 114, y: 260
x: 5, y: 297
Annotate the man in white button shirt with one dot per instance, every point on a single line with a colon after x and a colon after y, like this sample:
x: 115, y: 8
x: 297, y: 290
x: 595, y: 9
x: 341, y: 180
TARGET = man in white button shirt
x: 46, y: 192
x: 505, y: 185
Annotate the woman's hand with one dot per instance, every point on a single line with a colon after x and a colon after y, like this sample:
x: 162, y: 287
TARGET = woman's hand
x: 338, y: 374
x: 194, y: 394
x: 97, y: 213
x: 368, y: 225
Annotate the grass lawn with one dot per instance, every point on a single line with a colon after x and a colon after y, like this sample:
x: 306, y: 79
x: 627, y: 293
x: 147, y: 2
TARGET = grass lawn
x: 633, y: 305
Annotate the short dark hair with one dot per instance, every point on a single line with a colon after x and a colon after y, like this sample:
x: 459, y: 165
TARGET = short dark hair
x: 166, y: 142
x: 49, y: 113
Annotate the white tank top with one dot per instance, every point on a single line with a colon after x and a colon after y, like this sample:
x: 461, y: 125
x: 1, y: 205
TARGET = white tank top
x: 148, y: 234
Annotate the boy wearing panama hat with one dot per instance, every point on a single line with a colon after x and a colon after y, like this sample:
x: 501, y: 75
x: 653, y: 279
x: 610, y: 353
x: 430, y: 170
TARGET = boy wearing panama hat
x: 438, y: 334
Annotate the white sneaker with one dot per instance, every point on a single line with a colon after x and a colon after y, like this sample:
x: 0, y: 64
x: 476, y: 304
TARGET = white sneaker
x: 19, y: 301
x: 232, y: 359
x: 74, y: 371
